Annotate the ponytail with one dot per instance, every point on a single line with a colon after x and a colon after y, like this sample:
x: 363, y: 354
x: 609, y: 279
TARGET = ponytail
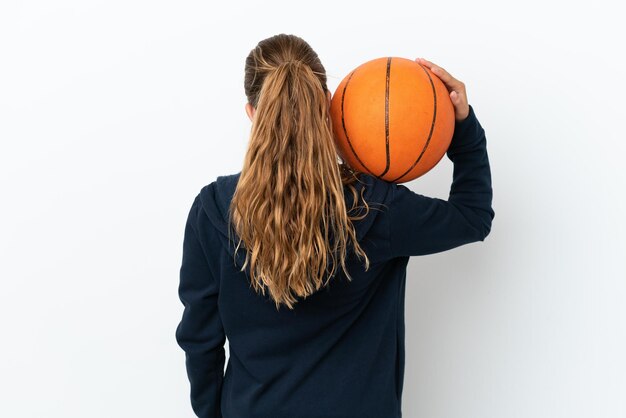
x: 289, y: 207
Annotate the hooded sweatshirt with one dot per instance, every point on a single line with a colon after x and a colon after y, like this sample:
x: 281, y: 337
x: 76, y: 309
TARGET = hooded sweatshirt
x: 340, y: 352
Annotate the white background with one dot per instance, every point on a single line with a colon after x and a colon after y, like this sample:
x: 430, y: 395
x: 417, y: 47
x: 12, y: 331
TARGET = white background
x: 113, y: 115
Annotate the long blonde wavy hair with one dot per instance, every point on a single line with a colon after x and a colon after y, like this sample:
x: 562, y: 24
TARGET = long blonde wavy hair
x: 288, y: 208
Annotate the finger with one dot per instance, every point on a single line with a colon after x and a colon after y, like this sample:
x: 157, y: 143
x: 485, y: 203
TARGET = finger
x: 448, y: 80
x: 431, y: 66
x: 425, y: 62
x: 440, y: 72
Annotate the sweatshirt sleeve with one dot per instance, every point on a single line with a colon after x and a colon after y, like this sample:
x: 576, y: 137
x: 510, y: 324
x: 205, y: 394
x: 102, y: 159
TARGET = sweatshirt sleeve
x: 421, y: 225
x: 200, y: 333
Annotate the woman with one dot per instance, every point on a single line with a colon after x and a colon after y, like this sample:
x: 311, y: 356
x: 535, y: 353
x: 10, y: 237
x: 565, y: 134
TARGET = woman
x: 307, y: 339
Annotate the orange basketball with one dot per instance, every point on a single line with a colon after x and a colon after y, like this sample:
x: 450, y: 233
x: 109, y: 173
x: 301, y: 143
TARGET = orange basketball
x: 393, y: 118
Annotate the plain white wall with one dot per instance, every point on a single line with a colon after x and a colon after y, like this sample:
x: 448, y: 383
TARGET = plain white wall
x: 113, y: 114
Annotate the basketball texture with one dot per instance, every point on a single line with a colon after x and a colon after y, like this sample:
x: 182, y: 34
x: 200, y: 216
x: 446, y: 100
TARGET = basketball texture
x: 392, y: 118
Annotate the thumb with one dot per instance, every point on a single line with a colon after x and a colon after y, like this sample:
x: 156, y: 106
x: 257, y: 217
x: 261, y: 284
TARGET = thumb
x: 454, y: 96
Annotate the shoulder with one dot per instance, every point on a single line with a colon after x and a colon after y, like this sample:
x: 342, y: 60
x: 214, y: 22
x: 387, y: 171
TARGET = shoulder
x: 215, y: 197
x: 376, y: 189
x: 220, y: 185
x: 224, y: 185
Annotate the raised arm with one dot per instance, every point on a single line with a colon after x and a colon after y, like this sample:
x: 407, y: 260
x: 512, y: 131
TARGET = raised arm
x: 421, y: 225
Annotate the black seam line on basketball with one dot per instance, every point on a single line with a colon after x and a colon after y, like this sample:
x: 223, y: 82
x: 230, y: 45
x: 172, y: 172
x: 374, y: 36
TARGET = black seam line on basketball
x: 387, y: 162
x: 432, y: 126
x: 343, y: 124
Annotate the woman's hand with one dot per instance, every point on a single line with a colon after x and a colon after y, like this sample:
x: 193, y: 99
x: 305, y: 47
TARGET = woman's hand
x: 454, y: 86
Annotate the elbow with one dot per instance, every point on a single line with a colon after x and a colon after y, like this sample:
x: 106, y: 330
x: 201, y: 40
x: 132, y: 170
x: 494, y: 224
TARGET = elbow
x: 485, y: 233
x: 487, y: 220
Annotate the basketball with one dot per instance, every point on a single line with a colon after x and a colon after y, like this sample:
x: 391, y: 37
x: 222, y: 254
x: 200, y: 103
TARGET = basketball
x: 392, y: 118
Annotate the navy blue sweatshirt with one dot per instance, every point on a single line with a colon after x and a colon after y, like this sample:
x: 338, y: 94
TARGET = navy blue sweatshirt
x: 340, y: 352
